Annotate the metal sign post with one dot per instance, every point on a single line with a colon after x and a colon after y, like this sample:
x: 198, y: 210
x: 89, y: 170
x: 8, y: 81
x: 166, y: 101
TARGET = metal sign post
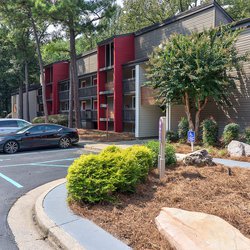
x: 191, y: 138
x: 162, y: 140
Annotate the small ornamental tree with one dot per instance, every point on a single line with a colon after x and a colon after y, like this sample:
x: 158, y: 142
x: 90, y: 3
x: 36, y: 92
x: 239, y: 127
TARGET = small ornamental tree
x: 191, y: 69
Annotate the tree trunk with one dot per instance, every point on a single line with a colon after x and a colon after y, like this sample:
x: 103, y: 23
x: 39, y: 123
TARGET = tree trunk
x: 20, y: 102
x: 71, y: 94
x: 188, y: 112
x: 42, y: 79
x: 27, y: 91
x: 74, y: 77
x: 201, y: 106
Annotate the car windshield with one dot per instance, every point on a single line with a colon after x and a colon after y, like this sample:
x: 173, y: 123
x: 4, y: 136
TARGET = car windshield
x: 22, y: 130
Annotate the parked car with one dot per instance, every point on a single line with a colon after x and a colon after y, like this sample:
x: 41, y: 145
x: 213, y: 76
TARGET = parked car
x: 8, y: 125
x: 39, y: 135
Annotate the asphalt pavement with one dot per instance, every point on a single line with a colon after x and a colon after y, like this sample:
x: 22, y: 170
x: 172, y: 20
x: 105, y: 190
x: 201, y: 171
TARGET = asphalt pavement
x: 25, y: 171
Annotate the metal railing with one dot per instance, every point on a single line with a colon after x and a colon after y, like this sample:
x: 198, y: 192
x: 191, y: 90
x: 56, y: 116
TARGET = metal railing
x: 64, y: 95
x: 88, y: 91
x: 89, y: 115
x: 129, y: 115
x: 128, y: 85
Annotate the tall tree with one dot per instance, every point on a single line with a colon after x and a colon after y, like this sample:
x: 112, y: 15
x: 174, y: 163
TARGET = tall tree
x: 191, y: 69
x: 79, y: 16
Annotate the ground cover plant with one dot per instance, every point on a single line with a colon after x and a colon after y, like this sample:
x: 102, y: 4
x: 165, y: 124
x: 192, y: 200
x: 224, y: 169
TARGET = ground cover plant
x: 207, y: 189
x: 97, y: 178
x: 56, y: 119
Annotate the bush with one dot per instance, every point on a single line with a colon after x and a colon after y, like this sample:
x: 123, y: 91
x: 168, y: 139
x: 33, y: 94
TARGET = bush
x: 56, y: 119
x: 95, y: 178
x: 231, y: 132
x: 247, y: 135
x: 183, y: 128
x: 170, y: 157
x: 209, y: 132
x: 171, y: 136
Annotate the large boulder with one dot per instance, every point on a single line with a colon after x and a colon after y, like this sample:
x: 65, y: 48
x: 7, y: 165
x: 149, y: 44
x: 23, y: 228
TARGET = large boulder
x: 236, y: 149
x: 199, y: 158
x: 246, y: 149
x: 186, y: 230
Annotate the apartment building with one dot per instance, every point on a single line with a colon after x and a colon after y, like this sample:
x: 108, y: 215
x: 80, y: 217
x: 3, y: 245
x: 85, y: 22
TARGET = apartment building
x: 112, y: 90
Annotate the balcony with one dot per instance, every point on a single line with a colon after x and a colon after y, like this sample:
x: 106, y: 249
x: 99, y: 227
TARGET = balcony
x: 109, y: 89
x: 49, y: 97
x: 89, y: 115
x: 129, y: 85
x: 64, y: 95
x: 88, y: 91
x: 129, y: 115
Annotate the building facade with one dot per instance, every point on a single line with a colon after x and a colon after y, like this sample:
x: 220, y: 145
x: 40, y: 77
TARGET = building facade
x: 112, y: 91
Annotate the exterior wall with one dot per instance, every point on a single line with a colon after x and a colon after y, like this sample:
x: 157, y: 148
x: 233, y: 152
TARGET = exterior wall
x: 33, y: 107
x: 60, y: 72
x: 145, y: 43
x: 221, y: 17
x: 87, y: 64
x: 123, y: 52
x: 147, y: 116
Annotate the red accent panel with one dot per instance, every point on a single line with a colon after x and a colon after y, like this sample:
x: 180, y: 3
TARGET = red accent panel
x: 101, y: 80
x: 123, y: 52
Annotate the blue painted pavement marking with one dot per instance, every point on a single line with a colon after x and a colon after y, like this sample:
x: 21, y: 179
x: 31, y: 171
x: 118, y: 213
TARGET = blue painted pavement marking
x: 11, y: 181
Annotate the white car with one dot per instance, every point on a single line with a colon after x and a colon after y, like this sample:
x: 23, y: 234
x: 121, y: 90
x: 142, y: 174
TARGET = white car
x: 11, y: 125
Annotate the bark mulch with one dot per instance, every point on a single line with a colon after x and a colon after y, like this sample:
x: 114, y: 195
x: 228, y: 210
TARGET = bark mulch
x: 209, y: 189
x: 101, y: 136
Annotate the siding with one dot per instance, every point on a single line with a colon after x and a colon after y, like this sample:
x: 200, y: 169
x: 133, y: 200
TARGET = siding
x: 221, y: 17
x: 145, y: 43
x: 239, y: 111
x: 87, y: 64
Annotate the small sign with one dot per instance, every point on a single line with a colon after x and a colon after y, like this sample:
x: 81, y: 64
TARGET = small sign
x: 191, y: 136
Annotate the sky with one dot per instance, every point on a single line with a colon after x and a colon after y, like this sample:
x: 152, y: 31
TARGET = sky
x: 119, y: 2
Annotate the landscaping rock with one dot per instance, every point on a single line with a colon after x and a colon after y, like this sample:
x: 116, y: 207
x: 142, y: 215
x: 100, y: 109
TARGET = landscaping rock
x: 246, y: 149
x: 199, y: 158
x: 192, y: 230
x: 236, y: 148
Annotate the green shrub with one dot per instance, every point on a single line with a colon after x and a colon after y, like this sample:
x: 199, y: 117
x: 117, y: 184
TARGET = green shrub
x: 95, y: 178
x: 209, y: 132
x: 183, y: 128
x: 56, y: 119
x: 172, y: 136
x: 247, y: 135
x: 231, y: 132
x: 170, y: 157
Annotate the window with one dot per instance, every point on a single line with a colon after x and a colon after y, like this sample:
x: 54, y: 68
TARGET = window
x: 82, y: 84
x: 95, y: 105
x: 94, y: 82
x: 52, y: 128
x: 37, y: 129
x: 22, y: 124
x: 64, y: 86
x: 109, y: 54
x: 133, y: 73
x: 40, y: 91
x: 64, y: 106
x: 83, y: 105
x: 133, y: 102
x: 8, y: 123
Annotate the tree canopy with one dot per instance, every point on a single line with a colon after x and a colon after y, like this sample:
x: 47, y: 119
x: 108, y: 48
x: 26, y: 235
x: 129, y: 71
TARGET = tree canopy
x: 191, y: 69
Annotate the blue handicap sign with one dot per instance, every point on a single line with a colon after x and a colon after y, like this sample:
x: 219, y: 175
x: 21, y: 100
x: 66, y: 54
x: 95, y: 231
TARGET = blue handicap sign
x: 191, y: 136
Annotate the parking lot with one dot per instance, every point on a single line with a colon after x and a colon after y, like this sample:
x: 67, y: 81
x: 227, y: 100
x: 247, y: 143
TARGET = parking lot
x: 25, y: 171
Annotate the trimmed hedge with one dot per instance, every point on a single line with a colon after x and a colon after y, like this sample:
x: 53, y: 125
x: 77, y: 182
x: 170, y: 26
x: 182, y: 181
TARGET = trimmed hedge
x: 231, y: 132
x: 170, y: 157
x: 95, y: 178
x: 56, y: 119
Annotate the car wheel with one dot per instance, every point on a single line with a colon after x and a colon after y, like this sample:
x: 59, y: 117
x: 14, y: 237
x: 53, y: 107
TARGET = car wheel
x: 64, y: 142
x: 11, y: 147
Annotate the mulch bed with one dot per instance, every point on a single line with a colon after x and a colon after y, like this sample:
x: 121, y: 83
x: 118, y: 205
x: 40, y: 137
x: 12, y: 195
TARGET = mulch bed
x: 102, y: 136
x: 209, y: 189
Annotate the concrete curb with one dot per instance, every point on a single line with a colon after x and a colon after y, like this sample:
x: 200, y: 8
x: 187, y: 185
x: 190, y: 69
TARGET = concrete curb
x: 56, y: 236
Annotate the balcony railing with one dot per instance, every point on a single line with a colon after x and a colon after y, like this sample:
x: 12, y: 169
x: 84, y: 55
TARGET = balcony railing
x: 109, y: 88
x: 88, y: 91
x: 129, y: 85
x: 64, y: 95
x: 89, y: 115
x: 129, y: 115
